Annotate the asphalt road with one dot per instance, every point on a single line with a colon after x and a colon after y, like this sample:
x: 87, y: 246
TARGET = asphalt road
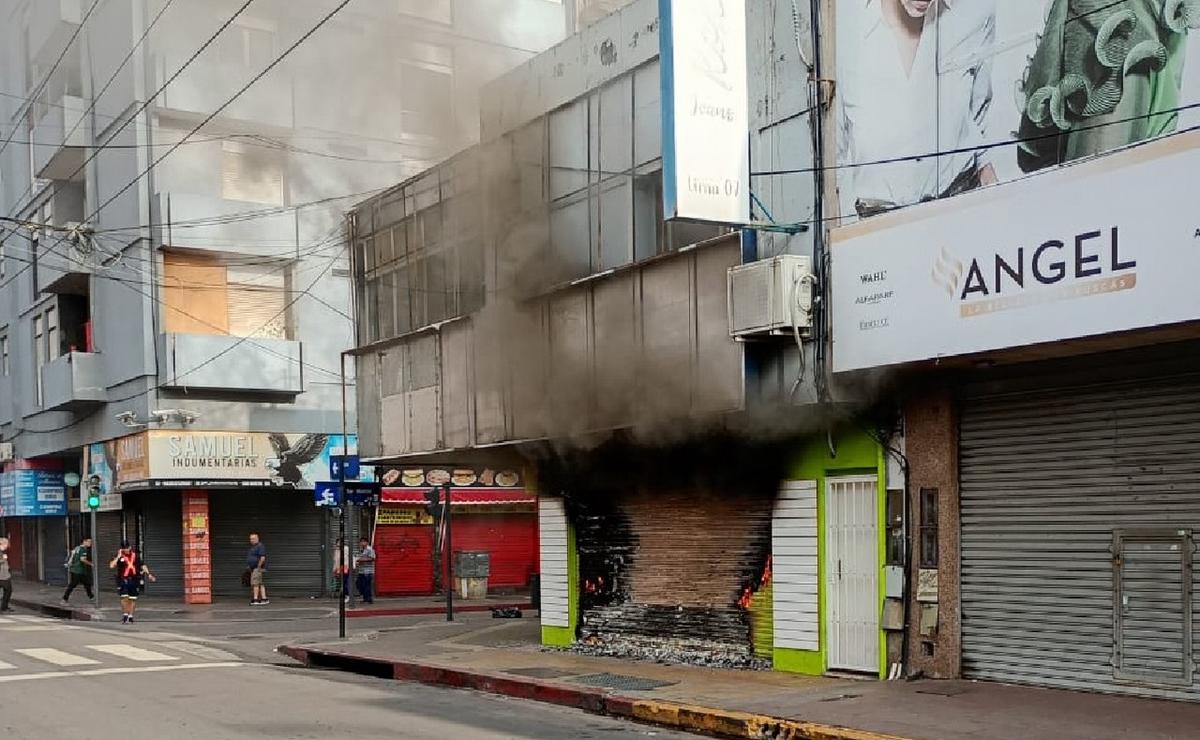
x: 67, y: 680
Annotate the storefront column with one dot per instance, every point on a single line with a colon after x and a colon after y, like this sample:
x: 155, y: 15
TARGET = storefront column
x: 197, y: 549
x: 934, y: 618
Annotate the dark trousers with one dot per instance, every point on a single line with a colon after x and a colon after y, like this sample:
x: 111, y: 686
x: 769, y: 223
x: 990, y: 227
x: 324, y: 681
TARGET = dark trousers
x: 5, y: 593
x: 366, y: 587
x: 79, y: 579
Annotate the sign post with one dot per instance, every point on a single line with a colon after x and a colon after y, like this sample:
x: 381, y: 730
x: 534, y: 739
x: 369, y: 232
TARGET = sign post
x: 449, y: 557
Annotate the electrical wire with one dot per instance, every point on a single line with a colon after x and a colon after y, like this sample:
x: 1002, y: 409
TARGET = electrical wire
x: 206, y: 362
x: 54, y: 68
x: 221, y: 108
x: 96, y: 97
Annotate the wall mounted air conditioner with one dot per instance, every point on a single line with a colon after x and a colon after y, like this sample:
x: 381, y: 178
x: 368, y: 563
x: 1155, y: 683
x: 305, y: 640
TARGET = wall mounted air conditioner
x: 768, y: 297
x: 6, y: 452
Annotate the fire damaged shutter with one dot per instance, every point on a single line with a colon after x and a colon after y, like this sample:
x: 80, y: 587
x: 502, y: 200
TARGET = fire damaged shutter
x: 552, y: 531
x: 794, y: 566
x: 675, y: 574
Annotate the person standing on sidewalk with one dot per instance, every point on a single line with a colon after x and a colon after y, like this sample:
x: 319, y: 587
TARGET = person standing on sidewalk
x: 131, y: 574
x: 79, y: 568
x: 5, y: 577
x: 256, y: 564
x: 341, y: 568
x: 364, y: 565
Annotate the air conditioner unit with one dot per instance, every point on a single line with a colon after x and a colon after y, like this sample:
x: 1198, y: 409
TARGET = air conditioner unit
x: 6, y: 452
x: 768, y: 296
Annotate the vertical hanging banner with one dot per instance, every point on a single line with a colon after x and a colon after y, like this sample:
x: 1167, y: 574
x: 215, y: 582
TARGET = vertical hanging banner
x: 197, y: 550
x: 706, y: 117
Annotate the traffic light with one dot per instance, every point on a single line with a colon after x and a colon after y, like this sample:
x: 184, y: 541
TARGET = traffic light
x: 433, y: 502
x: 93, y: 501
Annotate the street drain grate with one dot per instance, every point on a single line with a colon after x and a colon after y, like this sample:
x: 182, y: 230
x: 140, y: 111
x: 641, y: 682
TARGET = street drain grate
x: 540, y: 672
x: 626, y: 683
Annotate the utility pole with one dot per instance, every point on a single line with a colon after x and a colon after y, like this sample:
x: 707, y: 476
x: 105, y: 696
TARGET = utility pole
x: 449, y: 554
x: 341, y: 554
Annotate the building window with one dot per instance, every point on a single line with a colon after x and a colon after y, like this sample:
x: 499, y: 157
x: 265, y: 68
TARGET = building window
x: 3, y: 260
x: 426, y: 99
x: 39, y: 354
x: 929, y: 527
x: 203, y: 295
x: 4, y: 366
x: 252, y: 174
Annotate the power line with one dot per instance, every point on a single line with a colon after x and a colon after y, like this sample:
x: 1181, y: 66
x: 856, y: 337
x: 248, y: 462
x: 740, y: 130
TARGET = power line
x: 207, y: 119
x: 150, y: 99
x: 983, y: 147
x: 54, y: 68
x: 96, y: 97
x: 209, y: 361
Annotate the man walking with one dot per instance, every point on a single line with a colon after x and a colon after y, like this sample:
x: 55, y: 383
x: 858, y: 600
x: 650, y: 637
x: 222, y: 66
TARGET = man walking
x: 364, y: 564
x: 256, y: 564
x: 79, y: 568
x: 5, y: 577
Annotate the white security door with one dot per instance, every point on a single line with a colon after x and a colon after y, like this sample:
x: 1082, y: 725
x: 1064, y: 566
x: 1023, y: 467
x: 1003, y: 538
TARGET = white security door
x: 852, y: 573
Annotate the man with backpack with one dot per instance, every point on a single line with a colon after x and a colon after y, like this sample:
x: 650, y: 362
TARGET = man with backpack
x: 79, y: 569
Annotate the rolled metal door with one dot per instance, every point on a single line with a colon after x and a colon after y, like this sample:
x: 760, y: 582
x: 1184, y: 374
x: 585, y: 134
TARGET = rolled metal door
x: 1047, y: 479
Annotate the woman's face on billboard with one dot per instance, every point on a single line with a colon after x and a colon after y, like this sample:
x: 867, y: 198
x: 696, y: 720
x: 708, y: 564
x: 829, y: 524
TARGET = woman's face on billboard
x: 916, y: 8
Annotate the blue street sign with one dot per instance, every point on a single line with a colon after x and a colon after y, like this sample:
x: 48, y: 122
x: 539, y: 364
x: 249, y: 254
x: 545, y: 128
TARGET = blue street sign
x: 329, y: 493
x: 350, y: 462
x: 362, y: 493
x: 326, y: 493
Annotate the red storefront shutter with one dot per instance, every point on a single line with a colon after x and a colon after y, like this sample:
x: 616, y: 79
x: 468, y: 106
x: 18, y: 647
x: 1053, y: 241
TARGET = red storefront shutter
x: 510, y: 539
x: 405, y: 560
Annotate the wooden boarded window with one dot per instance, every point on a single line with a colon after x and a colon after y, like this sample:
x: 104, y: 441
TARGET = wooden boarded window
x: 202, y: 295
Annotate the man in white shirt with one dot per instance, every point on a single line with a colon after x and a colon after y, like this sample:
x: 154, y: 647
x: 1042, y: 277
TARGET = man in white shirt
x: 914, y: 77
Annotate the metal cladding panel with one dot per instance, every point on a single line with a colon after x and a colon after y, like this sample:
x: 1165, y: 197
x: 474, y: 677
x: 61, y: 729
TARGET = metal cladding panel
x: 290, y: 527
x: 794, y: 566
x: 456, y: 385
x: 1047, y: 477
x: 718, y: 356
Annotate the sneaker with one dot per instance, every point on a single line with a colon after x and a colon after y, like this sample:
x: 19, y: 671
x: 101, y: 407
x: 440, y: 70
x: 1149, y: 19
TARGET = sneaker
x: 130, y: 619
x: 254, y: 602
x: 264, y: 602
x: 125, y: 619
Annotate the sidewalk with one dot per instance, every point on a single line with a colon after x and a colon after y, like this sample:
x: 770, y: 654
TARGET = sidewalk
x: 47, y: 600
x: 502, y: 656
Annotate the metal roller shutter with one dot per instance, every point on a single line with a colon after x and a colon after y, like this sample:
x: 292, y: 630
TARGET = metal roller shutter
x: 405, y: 560
x: 162, y: 541
x: 1055, y: 486
x: 289, y: 525
x: 54, y: 550
x: 108, y: 535
x: 510, y: 539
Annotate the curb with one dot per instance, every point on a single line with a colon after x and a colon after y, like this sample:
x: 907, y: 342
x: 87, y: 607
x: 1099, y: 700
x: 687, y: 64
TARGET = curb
x: 666, y: 714
x: 56, y: 610
x: 422, y: 611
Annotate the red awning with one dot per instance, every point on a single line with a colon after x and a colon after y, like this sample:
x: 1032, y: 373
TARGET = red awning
x: 461, y: 496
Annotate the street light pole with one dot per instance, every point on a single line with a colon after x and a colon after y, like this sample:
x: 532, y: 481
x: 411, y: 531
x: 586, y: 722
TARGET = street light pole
x: 449, y: 556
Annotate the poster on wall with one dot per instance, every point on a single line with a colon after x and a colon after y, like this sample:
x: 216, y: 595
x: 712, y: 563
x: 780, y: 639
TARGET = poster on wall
x: 936, y: 98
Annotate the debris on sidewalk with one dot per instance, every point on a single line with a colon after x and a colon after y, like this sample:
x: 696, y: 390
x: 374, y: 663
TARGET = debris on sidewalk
x: 506, y: 613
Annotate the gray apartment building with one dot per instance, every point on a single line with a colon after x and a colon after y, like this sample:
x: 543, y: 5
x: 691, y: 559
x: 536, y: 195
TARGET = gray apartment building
x: 174, y: 285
